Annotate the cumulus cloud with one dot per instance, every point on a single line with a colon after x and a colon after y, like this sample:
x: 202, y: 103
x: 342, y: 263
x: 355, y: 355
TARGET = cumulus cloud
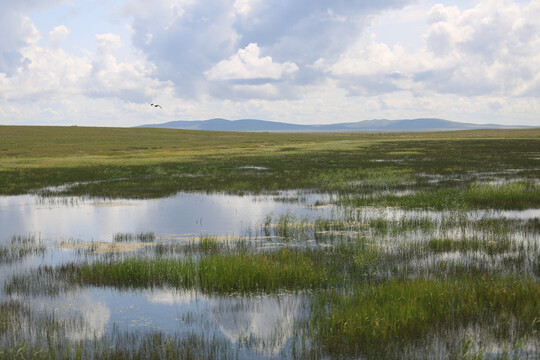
x: 57, y: 36
x: 183, y: 38
x: 280, y: 60
x: 53, y: 74
x: 191, y: 42
x: 371, y: 68
x: 129, y: 81
x: 490, y: 49
x: 17, y: 32
x: 247, y: 64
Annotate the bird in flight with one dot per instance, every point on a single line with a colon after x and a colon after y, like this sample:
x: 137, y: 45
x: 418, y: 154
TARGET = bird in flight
x: 156, y: 105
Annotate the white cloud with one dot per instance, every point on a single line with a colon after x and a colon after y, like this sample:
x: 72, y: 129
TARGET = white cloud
x: 129, y: 81
x: 244, y: 7
x: 17, y: 31
x: 491, y: 49
x: 202, y: 44
x: 248, y: 64
x: 57, y: 36
x: 301, y: 61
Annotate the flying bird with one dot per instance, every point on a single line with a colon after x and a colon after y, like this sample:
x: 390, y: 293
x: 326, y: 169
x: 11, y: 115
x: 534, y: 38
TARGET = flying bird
x: 156, y: 105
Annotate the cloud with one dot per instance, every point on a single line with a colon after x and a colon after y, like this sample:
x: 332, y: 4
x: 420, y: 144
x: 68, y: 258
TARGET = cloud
x: 194, y: 42
x: 370, y: 68
x: 490, y: 49
x: 183, y: 39
x: 57, y: 36
x: 303, y: 61
x: 53, y: 74
x: 247, y: 64
x: 17, y: 31
x: 129, y: 81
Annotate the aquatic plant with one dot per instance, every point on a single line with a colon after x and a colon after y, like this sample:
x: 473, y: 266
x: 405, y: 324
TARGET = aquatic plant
x: 366, y: 320
x: 138, y: 237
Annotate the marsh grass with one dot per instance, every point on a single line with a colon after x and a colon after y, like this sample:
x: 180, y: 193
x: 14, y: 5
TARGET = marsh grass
x: 366, y: 320
x: 150, y: 163
x: 49, y: 340
x: 465, y: 245
x: 210, y: 244
x: 137, y: 237
x: 21, y: 247
x: 509, y: 196
x: 12, y: 314
x: 124, y: 345
x: 241, y: 273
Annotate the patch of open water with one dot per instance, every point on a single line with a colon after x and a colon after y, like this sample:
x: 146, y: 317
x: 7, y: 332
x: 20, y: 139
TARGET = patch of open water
x: 184, y: 213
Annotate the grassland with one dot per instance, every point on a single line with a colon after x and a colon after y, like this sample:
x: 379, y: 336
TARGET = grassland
x: 436, y: 282
x: 146, y: 163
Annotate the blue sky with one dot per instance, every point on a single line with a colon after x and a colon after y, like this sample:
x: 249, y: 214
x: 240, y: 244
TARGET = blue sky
x: 102, y: 62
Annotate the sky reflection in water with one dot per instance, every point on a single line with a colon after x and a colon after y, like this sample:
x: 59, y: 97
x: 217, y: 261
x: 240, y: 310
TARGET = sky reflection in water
x: 255, y: 325
x: 264, y: 323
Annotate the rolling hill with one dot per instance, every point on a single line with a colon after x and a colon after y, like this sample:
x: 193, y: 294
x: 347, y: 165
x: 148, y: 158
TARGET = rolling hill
x: 423, y: 124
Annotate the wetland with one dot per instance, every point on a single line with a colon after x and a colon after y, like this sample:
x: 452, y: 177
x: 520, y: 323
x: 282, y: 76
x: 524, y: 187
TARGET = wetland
x: 153, y: 243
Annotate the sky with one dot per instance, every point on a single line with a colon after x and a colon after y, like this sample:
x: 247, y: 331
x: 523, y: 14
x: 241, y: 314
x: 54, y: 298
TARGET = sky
x: 103, y: 62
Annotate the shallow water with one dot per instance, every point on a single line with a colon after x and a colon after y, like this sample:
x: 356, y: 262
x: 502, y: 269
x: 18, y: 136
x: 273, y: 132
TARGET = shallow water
x: 182, y: 214
x: 253, y: 326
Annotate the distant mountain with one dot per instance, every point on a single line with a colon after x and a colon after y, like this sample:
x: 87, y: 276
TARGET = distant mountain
x: 252, y: 125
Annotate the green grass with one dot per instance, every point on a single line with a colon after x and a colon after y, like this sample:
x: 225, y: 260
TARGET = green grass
x: 216, y: 273
x: 149, y: 163
x: 371, y: 317
x: 511, y: 196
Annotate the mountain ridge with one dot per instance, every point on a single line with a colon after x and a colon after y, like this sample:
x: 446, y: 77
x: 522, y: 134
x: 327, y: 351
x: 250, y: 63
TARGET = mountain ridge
x: 255, y: 125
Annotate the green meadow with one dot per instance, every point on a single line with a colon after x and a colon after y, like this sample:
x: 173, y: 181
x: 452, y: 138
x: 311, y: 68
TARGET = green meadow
x: 452, y: 274
x: 151, y: 163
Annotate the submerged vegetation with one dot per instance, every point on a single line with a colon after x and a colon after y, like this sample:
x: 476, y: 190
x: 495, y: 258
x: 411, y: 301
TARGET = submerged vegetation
x: 418, y: 260
x: 20, y: 247
x: 139, y: 237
